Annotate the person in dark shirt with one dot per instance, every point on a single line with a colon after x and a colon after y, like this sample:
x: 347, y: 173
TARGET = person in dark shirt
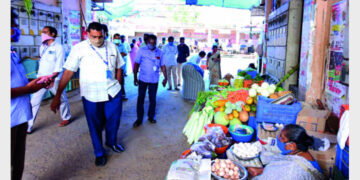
x: 183, y: 53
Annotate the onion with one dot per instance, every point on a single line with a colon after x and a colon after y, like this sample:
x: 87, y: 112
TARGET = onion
x: 226, y: 176
x: 236, y: 169
x: 223, y: 165
x: 231, y: 172
x: 222, y: 173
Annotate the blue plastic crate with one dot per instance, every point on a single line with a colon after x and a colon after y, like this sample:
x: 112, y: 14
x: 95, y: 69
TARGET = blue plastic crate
x: 342, y: 160
x: 276, y: 113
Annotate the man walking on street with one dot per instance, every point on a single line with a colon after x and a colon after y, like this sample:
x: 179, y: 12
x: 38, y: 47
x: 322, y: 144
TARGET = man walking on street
x: 149, y: 59
x: 52, y: 56
x: 162, y: 44
x: 123, y: 51
x: 184, y: 52
x: 145, y: 42
x: 170, y: 52
x: 100, y: 62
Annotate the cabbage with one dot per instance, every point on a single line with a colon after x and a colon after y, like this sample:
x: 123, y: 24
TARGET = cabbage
x: 265, y: 93
x: 252, y: 92
x: 258, y: 90
x: 265, y: 85
x: 220, y: 118
x: 273, y: 86
x: 254, y: 86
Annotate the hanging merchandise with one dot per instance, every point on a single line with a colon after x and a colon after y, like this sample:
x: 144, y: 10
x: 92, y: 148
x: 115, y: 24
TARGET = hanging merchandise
x: 336, y: 93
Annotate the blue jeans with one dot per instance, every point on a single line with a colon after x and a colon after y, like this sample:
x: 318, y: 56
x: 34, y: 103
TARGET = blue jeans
x: 100, y: 114
x: 143, y: 86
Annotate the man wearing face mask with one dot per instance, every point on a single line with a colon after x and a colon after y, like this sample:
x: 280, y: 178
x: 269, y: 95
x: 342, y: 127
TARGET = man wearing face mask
x: 100, y: 63
x: 145, y: 42
x: 52, y: 56
x: 21, y: 113
x: 170, y: 52
x: 162, y: 44
x: 149, y: 59
x: 120, y: 45
x: 184, y: 52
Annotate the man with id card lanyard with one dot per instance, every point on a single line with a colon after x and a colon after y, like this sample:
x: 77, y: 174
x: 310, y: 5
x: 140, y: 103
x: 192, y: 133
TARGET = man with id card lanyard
x: 52, y: 56
x: 149, y: 59
x: 100, y: 63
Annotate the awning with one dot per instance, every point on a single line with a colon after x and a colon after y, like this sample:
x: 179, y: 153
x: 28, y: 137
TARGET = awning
x: 237, y: 4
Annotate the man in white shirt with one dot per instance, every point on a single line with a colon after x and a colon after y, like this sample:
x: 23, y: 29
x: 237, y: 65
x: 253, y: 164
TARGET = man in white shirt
x: 52, y: 56
x: 197, y: 58
x: 100, y: 63
x: 170, y: 52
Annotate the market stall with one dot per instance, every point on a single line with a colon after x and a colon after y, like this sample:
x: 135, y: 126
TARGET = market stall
x: 233, y: 127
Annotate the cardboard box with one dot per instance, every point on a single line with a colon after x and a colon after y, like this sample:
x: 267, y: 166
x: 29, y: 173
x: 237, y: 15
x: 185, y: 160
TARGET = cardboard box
x: 311, y: 118
x: 326, y: 160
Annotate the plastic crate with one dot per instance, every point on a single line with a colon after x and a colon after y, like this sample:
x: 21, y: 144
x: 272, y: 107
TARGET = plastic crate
x: 276, y: 113
x: 342, y: 160
x: 31, y: 66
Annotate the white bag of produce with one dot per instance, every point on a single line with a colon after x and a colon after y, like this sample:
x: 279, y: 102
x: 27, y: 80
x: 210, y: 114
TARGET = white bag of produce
x: 188, y: 169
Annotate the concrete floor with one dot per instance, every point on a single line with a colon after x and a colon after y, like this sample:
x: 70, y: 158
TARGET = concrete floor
x: 54, y: 152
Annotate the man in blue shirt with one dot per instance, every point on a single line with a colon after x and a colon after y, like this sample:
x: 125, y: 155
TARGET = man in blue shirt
x: 119, y: 42
x: 21, y: 112
x: 183, y: 53
x: 149, y: 59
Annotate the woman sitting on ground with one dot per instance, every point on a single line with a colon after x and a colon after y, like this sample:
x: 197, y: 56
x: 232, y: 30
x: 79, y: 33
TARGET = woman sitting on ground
x: 295, y: 162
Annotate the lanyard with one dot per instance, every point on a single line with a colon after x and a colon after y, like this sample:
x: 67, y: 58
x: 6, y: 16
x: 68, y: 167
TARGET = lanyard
x: 107, y: 58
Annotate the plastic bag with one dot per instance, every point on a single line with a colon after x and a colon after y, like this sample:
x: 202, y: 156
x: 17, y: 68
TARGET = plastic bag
x: 217, y: 137
x: 204, y: 149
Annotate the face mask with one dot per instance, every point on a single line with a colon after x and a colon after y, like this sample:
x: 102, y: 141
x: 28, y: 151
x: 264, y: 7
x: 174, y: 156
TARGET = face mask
x: 152, y: 47
x: 116, y: 41
x: 45, y: 37
x: 96, y: 42
x: 171, y: 43
x: 16, y: 36
x: 281, y: 146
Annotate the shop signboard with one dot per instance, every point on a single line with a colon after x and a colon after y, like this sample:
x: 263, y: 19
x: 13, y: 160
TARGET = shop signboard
x: 336, y: 93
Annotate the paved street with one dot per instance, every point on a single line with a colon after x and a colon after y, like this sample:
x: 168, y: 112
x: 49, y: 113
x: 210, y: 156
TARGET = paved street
x: 54, y: 152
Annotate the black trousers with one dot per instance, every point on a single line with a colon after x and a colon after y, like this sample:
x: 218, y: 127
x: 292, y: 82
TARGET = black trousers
x: 152, y: 87
x: 18, y: 143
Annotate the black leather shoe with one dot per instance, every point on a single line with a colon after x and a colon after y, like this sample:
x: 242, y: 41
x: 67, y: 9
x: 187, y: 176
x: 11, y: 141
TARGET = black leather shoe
x: 137, y: 123
x: 117, y: 148
x: 152, y: 120
x: 100, y: 161
x: 177, y: 89
x: 124, y: 98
